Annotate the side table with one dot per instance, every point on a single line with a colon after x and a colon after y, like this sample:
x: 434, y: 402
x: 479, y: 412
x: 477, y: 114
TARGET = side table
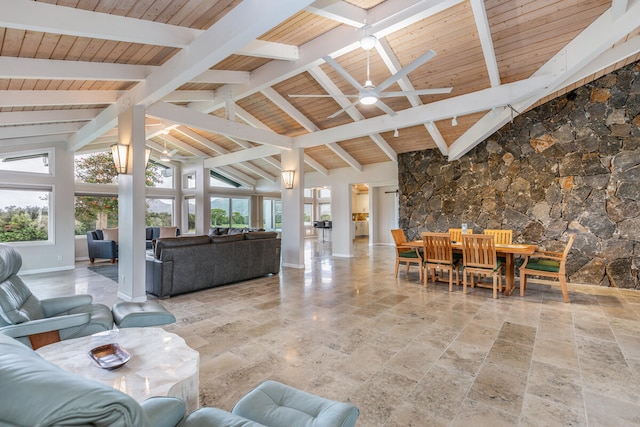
x: 161, y: 363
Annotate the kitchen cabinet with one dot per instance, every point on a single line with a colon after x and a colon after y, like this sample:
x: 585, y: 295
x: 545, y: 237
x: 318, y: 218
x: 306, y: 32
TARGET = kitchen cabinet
x: 360, y: 203
x: 361, y: 228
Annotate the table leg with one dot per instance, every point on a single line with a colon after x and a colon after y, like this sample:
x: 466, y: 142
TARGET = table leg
x: 509, y: 275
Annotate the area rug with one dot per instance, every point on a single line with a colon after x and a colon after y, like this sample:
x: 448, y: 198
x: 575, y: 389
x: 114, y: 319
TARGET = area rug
x: 109, y: 271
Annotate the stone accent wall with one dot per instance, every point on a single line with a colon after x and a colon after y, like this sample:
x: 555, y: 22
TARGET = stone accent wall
x: 571, y: 165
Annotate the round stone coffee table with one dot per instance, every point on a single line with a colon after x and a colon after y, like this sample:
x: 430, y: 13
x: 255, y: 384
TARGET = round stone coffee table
x: 161, y: 363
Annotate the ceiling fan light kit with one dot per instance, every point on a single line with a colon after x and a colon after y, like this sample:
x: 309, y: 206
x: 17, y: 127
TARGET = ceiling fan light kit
x: 368, y: 42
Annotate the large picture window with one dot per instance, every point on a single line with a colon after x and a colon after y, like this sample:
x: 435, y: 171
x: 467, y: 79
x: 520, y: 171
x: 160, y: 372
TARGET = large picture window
x: 229, y: 212
x: 95, y: 213
x: 159, y: 212
x: 24, y: 214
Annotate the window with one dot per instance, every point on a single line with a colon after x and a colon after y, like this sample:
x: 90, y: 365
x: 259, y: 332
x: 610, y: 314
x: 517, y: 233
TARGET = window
x: 226, y: 212
x: 24, y: 214
x: 325, y: 211
x: 220, y: 212
x: 240, y: 213
x: 159, y: 212
x: 95, y: 212
x: 308, y: 213
x: 98, y: 168
x: 324, y: 193
x: 190, y: 207
x: 32, y: 162
x: 272, y: 214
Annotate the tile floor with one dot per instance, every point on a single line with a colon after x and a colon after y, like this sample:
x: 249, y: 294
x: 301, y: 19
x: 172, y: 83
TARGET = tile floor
x: 348, y: 330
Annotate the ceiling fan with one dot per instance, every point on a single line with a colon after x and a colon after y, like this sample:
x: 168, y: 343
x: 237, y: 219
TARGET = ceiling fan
x: 369, y: 94
x: 166, y: 156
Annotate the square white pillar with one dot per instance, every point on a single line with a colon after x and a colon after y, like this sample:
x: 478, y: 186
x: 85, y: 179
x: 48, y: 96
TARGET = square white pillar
x: 132, y: 207
x: 293, y: 210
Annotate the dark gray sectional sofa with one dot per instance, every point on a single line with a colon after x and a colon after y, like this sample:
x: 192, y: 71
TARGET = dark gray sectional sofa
x: 191, y: 263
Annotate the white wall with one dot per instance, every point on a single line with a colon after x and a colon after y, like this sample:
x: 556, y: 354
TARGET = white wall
x: 58, y: 253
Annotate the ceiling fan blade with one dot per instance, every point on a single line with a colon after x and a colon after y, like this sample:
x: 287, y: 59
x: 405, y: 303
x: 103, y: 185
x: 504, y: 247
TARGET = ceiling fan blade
x: 435, y: 91
x: 384, y: 107
x: 343, y: 73
x: 406, y: 70
x: 172, y: 152
x: 337, y: 113
x: 323, y: 96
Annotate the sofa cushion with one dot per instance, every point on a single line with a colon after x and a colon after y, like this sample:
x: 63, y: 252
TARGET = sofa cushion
x: 227, y: 238
x: 218, y: 231
x: 254, y: 235
x: 173, y: 242
x: 236, y: 230
x: 168, y: 232
x: 110, y: 234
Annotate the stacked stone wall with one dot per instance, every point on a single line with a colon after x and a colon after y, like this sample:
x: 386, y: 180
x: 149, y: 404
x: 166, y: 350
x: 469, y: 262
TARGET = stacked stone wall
x: 571, y: 165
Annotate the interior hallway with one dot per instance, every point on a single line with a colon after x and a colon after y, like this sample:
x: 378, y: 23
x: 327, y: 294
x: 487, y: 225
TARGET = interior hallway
x: 406, y: 355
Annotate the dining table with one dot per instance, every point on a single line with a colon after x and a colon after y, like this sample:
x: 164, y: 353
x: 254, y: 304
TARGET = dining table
x: 508, y: 251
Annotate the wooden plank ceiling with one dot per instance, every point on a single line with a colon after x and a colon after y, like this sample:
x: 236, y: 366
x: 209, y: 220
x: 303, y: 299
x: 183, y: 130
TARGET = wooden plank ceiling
x: 63, y: 63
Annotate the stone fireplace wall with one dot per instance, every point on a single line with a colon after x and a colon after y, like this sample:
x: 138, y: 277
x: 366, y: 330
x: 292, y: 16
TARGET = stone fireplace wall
x: 571, y: 165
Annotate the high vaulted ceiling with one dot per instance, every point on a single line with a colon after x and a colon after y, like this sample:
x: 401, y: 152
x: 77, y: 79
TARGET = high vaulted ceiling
x: 216, y: 76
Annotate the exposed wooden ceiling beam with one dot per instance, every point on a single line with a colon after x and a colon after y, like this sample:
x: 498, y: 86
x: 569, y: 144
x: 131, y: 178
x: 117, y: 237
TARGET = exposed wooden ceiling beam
x: 48, y: 18
x: 26, y: 98
x: 339, y: 11
x: 40, y: 129
x: 47, y: 116
x: 218, y: 125
x: 51, y: 69
x: 484, y: 33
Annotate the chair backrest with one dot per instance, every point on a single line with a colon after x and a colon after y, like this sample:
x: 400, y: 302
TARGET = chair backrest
x: 17, y: 303
x: 398, y: 236
x: 503, y: 237
x: 456, y: 234
x: 568, y: 247
x: 479, y: 251
x: 437, y: 248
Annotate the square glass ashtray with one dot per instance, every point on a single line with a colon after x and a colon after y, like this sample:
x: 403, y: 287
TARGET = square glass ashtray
x: 109, y: 356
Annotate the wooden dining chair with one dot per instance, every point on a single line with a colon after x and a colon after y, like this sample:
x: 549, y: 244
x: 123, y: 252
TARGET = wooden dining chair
x: 405, y: 254
x: 547, y: 264
x: 439, y: 256
x: 503, y: 237
x: 479, y: 257
x: 456, y: 234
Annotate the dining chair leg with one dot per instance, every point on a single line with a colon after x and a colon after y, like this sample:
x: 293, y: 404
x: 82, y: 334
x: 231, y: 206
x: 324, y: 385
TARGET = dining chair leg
x: 563, y: 285
x: 495, y: 287
x: 397, y: 266
x: 464, y: 283
x: 451, y: 280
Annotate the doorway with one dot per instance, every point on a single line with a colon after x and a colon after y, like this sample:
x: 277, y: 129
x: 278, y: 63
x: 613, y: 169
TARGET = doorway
x: 360, y: 211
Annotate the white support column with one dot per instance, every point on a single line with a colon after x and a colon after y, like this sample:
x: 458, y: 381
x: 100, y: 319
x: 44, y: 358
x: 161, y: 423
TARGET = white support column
x: 341, y: 234
x: 293, y: 210
x: 131, y: 207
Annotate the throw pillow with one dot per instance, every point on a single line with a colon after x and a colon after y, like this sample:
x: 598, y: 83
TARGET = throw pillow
x: 167, y: 232
x: 110, y: 234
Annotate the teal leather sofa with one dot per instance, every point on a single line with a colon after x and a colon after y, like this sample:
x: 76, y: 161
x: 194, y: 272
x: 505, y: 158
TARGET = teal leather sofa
x: 38, y: 393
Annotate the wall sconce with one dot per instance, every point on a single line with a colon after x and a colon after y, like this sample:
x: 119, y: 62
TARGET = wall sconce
x: 120, y: 153
x: 287, y: 179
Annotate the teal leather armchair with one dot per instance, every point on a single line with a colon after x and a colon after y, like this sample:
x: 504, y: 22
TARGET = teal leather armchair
x: 32, y: 321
